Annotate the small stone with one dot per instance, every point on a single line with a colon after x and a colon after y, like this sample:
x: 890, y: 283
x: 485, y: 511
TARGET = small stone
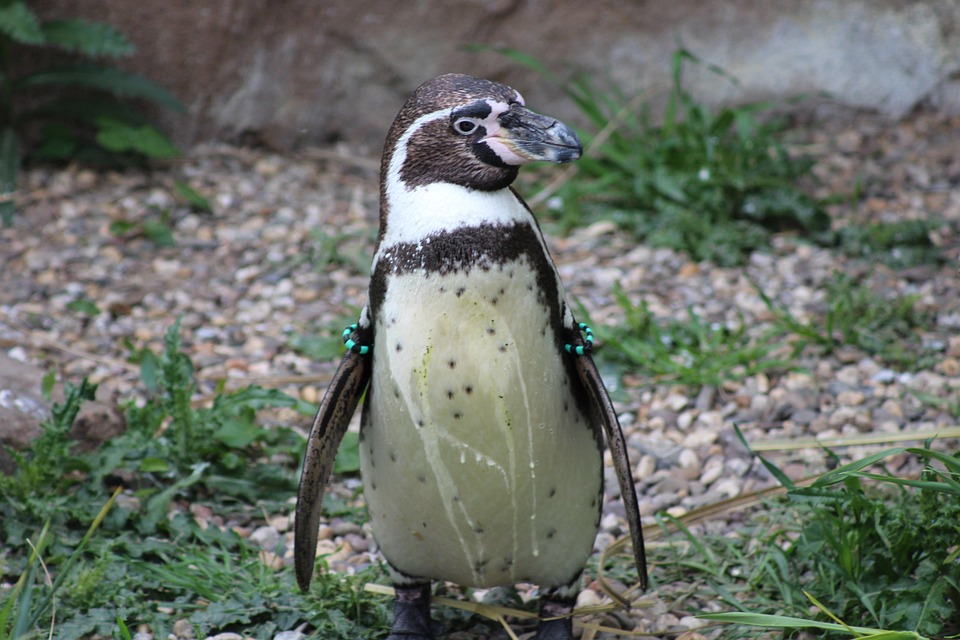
x: 850, y: 398
x: 700, y: 438
x: 325, y: 532
x: 677, y: 402
x: 357, y: 542
x: 712, y: 470
x: 310, y: 394
x: 280, y: 523
x: 949, y: 366
x: 267, y: 538
x: 804, y: 416
x: 343, y: 527
x: 646, y: 467
x: 892, y: 407
x: 588, y: 598
x: 729, y: 487
x: 296, y: 634
x: 677, y: 512
x: 182, y: 630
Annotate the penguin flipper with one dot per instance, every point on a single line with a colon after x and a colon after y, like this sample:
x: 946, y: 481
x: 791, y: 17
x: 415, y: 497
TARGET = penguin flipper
x: 333, y: 417
x: 600, y: 400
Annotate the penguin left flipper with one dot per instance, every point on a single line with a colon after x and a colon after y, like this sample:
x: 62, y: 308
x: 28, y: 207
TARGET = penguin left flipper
x: 338, y: 405
x: 597, y: 393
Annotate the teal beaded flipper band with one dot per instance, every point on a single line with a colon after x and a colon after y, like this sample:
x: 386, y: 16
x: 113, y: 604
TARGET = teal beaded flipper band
x: 588, y: 341
x: 353, y: 345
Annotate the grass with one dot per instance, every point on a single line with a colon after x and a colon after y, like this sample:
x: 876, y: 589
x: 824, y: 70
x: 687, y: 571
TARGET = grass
x: 145, y: 560
x: 858, y: 543
x: 693, y: 352
x: 888, y: 327
x: 696, y: 352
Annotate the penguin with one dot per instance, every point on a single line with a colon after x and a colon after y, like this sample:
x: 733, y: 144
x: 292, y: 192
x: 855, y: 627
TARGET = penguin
x: 484, y: 417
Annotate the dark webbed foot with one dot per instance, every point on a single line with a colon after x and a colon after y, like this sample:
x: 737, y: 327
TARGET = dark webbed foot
x: 411, y: 614
x: 552, y: 626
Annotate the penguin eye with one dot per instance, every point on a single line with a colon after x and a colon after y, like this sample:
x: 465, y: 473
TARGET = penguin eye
x: 465, y: 126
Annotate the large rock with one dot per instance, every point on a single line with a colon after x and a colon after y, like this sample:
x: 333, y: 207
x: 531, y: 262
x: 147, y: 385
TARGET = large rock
x: 23, y: 409
x: 304, y: 72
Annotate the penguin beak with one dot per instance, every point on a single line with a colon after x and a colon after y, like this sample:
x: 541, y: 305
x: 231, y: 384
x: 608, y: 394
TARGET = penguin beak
x: 529, y: 136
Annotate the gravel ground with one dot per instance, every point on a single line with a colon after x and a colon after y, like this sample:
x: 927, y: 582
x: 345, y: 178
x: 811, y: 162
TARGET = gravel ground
x: 278, y: 257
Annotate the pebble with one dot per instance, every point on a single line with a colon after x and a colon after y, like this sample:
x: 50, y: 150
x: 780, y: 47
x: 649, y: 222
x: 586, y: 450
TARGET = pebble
x: 267, y: 538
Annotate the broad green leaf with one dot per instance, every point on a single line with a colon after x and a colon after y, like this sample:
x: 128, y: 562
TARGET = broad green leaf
x: 149, y: 370
x: 93, y: 76
x: 120, y: 137
x: 348, y: 455
x: 83, y: 305
x: 58, y: 142
x: 237, y: 433
x: 46, y: 385
x: 19, y: 24
x: 92, y: 39
x: 192, y: 197
x: 159, y: 232
x: 154, y: 465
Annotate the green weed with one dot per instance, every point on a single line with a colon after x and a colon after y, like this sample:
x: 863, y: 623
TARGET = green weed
x: 864, y: 546
x: 901, y: 244
x: 694, y: 352
x: 149, y: 562
x: 856, y: 316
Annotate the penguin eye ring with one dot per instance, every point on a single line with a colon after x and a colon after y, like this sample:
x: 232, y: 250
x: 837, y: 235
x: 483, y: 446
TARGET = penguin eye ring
x: 465, y: 126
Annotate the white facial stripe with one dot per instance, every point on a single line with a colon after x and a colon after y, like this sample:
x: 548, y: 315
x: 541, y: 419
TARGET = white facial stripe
x: 400, y: 152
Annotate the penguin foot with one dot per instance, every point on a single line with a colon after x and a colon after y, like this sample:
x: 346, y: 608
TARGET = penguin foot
x: 553, y: 627
x: 411, y: 614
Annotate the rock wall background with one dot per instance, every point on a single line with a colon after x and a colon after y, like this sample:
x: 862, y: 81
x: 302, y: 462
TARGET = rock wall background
x: 300, y: 72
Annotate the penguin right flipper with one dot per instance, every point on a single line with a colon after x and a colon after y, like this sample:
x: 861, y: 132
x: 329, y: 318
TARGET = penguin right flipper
x: 338, y: 405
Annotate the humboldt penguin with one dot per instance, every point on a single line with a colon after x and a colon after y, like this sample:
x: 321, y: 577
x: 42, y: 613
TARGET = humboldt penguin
x: 484, y: 419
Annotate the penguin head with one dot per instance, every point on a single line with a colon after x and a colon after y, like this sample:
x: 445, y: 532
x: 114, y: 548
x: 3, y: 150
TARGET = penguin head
x: 470, y: 132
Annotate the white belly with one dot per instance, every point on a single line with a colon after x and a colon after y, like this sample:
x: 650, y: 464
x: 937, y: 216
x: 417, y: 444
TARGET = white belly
x: 478, y: 465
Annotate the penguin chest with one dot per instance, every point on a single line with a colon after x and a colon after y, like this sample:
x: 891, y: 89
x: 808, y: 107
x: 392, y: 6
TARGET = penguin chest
x: 480, y: 467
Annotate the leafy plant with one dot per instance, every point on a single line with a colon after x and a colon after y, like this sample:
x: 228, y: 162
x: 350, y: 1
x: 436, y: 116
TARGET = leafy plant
x: 151, y: 563
x: 42, y: 468
x: 96, y: 125
x: 883, y: 558
x: 713, y: 183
